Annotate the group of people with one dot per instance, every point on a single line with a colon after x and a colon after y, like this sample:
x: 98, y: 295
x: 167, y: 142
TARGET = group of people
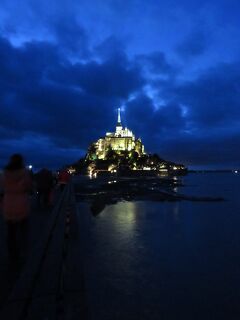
x: 18, y: 183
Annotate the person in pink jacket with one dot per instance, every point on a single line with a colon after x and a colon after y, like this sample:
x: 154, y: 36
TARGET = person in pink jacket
x: 63, y: 178
x: 17, y: 184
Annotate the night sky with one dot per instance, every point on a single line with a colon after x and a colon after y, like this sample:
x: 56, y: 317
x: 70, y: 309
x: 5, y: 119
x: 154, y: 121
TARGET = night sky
x: 173, y: 66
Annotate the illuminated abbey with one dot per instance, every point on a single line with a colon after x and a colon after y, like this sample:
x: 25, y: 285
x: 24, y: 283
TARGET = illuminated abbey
x: 121, y: 140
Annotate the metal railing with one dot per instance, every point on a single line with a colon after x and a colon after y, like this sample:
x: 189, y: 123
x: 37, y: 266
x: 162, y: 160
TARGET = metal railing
x: 39, y: 289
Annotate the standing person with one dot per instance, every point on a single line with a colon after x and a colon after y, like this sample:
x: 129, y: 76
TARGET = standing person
x: 44, y: 182
x: 63, y: 178
x: 17, y: 184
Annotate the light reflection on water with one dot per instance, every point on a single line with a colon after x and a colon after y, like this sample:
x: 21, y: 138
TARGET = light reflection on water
x: 123, y: 216
x: 151, y: 260
x: 176, y: 211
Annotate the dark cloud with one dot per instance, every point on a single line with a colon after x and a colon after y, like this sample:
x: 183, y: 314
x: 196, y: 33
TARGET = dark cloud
x: 21, y: 66
x: 69, y: 104
x: 111, y: 48
x: 112, y: 78
x: 144, y: 117
x: 212, y: 100
x: 65, y: 67
x: 65, y: 106
x: 209, y: 101
x: 195, y: 44
x: 206, y: 114
x: 71, y: 36
x: 156, y: 63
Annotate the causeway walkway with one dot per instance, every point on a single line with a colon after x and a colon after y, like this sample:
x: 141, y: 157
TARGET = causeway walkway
x: 49, y: 282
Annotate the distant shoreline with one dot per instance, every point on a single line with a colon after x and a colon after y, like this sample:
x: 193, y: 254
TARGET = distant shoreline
x: 215, y: 171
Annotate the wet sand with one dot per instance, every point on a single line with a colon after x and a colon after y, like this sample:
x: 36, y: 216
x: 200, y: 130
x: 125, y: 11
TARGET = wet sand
x: 110, y: 190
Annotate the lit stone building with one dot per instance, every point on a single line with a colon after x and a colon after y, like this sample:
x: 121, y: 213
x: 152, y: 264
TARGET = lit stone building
x: 122, y: 139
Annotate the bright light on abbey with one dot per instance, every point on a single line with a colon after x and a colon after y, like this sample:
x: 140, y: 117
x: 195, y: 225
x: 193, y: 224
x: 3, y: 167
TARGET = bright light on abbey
x: 121, y: 140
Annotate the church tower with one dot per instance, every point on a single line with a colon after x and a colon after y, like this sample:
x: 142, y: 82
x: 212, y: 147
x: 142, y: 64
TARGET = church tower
x: 119, y: 127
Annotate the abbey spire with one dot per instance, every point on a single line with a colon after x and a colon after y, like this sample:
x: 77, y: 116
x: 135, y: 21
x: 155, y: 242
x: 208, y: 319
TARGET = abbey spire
x: 119, y: 117
x: 119, y: 127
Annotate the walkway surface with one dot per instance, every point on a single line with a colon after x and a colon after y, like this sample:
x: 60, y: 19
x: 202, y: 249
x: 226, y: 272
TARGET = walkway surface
x: 49, y: 282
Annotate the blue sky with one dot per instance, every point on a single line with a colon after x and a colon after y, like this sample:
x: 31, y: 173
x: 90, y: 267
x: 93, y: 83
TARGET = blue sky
x: 173, y: 66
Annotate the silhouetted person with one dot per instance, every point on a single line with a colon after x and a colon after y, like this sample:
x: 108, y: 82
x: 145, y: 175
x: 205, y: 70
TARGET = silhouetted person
x: 44, y: 183
x: 17, y: 184
x: 63, y: 179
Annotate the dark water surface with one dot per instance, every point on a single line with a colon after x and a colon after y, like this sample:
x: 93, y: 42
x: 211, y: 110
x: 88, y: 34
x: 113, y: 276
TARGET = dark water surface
x: 171, y: 260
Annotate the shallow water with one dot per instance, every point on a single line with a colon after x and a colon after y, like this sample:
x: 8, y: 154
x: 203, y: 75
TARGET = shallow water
x: 166, y: 260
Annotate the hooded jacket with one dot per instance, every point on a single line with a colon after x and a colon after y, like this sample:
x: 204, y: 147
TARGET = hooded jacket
x: 16, y: 200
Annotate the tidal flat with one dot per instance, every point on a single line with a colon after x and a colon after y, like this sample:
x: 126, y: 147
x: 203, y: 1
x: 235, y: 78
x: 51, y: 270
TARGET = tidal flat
x: 110, y: 190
